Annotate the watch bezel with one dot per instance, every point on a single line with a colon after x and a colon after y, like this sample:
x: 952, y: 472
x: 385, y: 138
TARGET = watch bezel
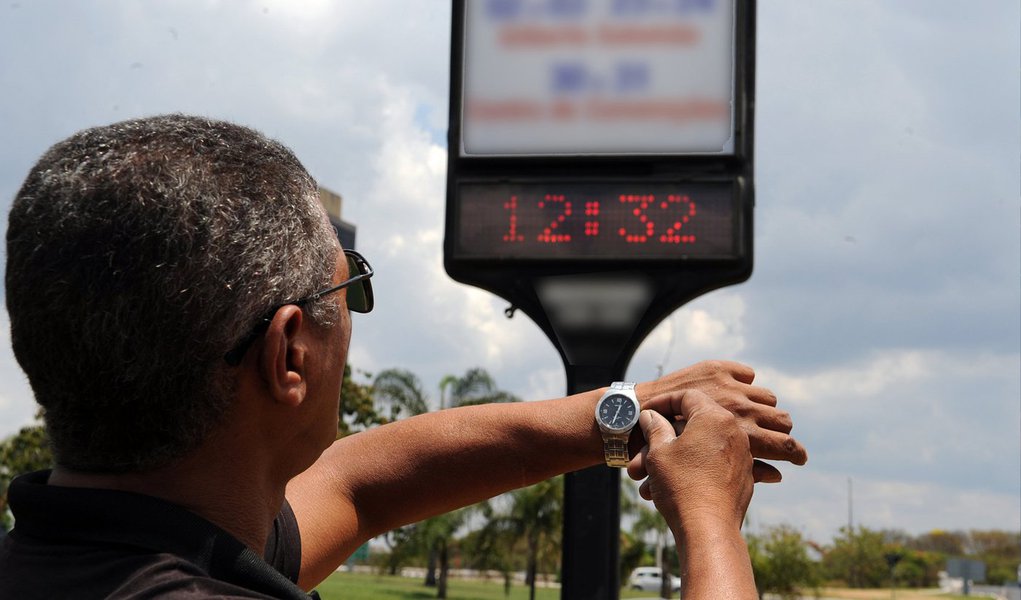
x: 631, y: 424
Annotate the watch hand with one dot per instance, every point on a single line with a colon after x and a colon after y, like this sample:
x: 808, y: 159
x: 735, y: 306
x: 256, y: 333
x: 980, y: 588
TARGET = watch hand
x: 619, y: 406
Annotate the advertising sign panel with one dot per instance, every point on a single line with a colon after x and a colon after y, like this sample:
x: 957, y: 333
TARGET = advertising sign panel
x: 598, y: 77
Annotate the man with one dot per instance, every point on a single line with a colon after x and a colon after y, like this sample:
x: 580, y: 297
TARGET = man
x: 182, y: 311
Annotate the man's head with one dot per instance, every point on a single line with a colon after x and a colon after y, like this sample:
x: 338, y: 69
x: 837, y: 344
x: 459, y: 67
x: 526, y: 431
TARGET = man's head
x: 138, y: 254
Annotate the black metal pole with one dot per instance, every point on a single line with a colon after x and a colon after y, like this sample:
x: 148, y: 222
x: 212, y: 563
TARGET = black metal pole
x: 591, y: 535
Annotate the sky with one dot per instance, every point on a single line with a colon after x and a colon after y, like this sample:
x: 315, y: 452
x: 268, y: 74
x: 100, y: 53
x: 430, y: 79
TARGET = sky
x: 885, y: 305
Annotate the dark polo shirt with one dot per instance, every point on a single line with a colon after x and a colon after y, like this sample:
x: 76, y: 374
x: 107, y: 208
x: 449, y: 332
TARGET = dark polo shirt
x: 90, y: 543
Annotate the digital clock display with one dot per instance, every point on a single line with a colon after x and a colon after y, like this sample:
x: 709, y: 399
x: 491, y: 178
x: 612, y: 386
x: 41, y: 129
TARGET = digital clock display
x: 598, y: 221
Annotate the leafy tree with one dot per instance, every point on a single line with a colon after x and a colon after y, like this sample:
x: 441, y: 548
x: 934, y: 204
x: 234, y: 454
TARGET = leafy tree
x: 26, y: 451
x: 948, y: 543
x: 1000, y: 550
x: 922, y: 557
x: 917, y: 568
x: 357, y: 410
x: 857, y: 558
x: 780, y: 562
x: 1005, y: 544
x: 897, y: 538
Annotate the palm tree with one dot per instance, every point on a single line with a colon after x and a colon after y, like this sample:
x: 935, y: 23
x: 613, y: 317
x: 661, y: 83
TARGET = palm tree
x: 400, y: 393
x: 535, y: 516
x: 432, y: 536
x: 476, y: 386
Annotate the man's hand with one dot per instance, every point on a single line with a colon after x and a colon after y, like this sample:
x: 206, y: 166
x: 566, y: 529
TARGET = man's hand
x: 700, y: 479
x: 699, y: 467
x: 729, y: 385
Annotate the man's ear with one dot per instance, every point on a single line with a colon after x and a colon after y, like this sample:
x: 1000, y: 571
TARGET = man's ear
x: 283, y: 356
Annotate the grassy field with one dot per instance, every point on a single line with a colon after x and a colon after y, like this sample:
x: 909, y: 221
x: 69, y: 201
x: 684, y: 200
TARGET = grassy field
x: 885, y: 594
x: 357, y: 586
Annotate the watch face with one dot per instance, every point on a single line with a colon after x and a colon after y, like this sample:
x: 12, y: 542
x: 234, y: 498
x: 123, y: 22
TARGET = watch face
x: 618, y: 412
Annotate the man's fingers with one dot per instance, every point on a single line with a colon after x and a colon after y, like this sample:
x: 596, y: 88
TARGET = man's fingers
x: 742, y: 373
x: 636, y: 466
x: 680, y: 404
x: 768, y: 428
x: 656, y: 429
x: 765, y: 473
x: 644, y: 491
x: 775, y: 445
x: 760, y: 395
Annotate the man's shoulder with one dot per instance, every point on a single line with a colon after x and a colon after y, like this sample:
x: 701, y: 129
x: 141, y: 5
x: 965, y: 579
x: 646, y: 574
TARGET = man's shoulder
x: 108, y: 573
x: 103, y: 543
x: 168, y: 576
x: 104, y: 575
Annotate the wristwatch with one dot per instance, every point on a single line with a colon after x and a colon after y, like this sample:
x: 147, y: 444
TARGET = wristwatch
x: 617, y: 414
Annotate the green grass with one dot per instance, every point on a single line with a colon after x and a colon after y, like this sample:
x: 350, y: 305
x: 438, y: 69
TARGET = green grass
x: 357, y: 586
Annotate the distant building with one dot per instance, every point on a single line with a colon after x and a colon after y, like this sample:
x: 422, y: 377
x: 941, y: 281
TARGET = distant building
x: 333, y: 203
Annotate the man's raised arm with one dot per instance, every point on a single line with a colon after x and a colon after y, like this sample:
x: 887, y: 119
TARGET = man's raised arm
x: 371, y: 482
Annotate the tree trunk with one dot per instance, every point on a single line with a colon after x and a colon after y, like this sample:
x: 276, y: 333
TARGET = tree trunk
x: 441, y: 589
x: 533, y: 559
x: 430, y: 568
x: 665, y: 589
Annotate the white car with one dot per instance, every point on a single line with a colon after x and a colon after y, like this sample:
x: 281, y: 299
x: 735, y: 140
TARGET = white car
x: 648, y: 579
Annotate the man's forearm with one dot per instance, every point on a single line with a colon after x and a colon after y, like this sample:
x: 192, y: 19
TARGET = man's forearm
x: 715, y: 564
x: 412, y: 469
x: 449, y: 459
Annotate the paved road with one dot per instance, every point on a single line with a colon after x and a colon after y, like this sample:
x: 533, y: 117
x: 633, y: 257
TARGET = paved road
x: 1003, y: 593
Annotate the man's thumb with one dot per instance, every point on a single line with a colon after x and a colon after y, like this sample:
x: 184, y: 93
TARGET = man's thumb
x: 655, y: 427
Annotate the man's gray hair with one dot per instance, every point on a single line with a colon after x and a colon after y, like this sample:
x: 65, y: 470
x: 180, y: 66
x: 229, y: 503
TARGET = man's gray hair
x: 138, y: 254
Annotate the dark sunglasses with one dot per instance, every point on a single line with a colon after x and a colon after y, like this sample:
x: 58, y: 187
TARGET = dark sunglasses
x: 359, y: 299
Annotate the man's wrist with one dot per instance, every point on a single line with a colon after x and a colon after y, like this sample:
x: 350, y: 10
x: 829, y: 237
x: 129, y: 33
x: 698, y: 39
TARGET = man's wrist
x: 696, y: 527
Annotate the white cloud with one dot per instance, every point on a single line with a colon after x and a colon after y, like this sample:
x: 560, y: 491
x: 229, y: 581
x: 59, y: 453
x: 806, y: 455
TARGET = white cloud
x: 885, y: 374
x: 873, y: 378
x: 817, y: 503
x: 933, y: 418
x: 709, y: 327
x: 544, y: 383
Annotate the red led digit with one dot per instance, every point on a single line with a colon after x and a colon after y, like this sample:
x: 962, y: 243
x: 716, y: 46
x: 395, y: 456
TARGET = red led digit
x: 687, y: 212
x: 642, y: 202
x: 512, y: 234
x: 550, y: 235
x: 592, y: 224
